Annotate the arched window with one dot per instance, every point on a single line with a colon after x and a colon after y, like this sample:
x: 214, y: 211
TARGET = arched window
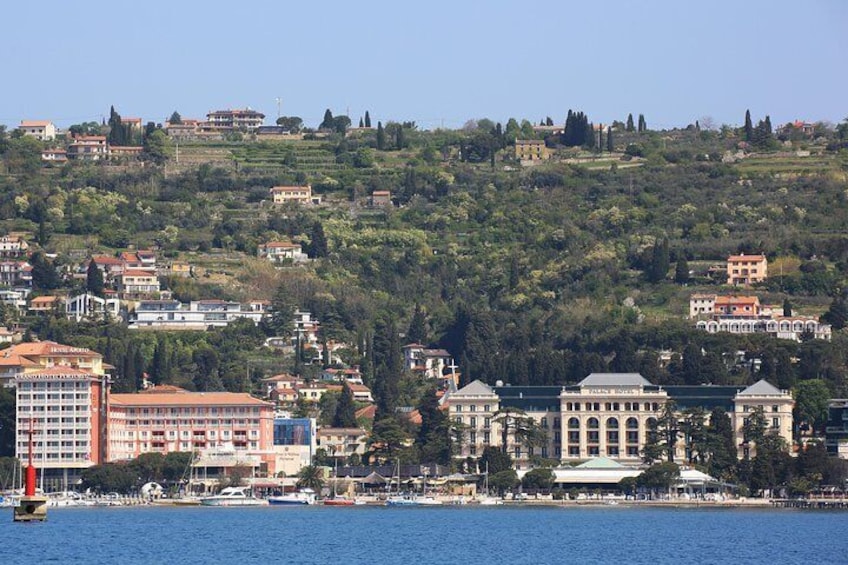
x: 573, y: 424
x: 632, y: 424
x: 593, y: 424
x: 612, y: 423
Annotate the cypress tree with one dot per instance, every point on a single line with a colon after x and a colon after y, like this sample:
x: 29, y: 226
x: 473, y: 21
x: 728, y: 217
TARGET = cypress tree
x: 629, y: 126
x: 417, y: 332
x: 400, y: 138
x: 367, y: 119
x: 381, y: 137
x: 549, y: 121
x: 94, y: 279
x: 328, y: 122
x: 318, y: 247
x: 749, y: 127
x: 600, y: 139
x: 643, y: 126
x: 161, y: 365
x: 610, y: 144
x: 361, y: 123
x: 345, y: 415
x: 681, y: 271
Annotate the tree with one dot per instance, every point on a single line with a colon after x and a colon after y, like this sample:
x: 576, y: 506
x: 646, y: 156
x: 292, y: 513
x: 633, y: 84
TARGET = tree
x: 662, y: 435
x: 504, y: 481
x: 206, y: 359
x: 345, y: 416
x: 721, y: 444
x: 660, y: 262
x: 643, y: 125
x: 837, y: 313
x: 291, y: 123
x: 148, y: 467
x: 311, y: 476
x: 417, y: 332
x: 753, y: 430
x: 681, y: 271
x: 8, y: 422
x: 157, y: 147
x: 381, y: 137
x: 749, y: 127
x: 387, y: 438
x: 811, y: 401
x: 541, y: 478
x: 400, y: 138
x: 328, y: 122
x: 524, y: 429
x: 44, y: 275
x: 630, y: 127
x: 109, y: 477
x: 661, y: 476
x: 367, y: 119
x: 175, y: 118
x: 318, y: 246
x: 176, y: 465
x: 694, y: 430
x: 94, y: 279
x: 610, y: 144
x: 494, y: 460
x: 23, y: 155
x: 340, y: 124
x: 160, y: 367
x: 787, y: 308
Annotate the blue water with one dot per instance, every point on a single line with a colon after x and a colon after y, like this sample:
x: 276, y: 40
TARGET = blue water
x: 464, y: 535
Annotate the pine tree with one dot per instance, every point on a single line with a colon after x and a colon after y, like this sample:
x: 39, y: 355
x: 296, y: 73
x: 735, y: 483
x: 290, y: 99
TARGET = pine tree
x: 94, y: 279
x: 175, y: 118
x: 361, y: 123
x: 381, y: 137
x: 44, y: 275
x: 749, y: 127
x: 367, y: 119
x: 629, y: 127
x: 610, y: 144
x: 345, y: 415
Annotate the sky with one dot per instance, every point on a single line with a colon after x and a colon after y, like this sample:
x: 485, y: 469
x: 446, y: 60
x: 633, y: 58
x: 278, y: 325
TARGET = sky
x: 434, y: 62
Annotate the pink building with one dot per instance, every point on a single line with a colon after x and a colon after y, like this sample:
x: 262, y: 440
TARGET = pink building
x: 167, y: 418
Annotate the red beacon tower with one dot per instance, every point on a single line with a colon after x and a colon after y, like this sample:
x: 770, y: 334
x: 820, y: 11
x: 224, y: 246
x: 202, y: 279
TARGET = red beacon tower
x: 32, y: 507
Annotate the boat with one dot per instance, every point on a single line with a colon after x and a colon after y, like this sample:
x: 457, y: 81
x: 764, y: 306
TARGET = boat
x: 301, y: 497
x: 339, y: 501
x: 489, y: 501
x: 233, y: 496
x: 412, y: 499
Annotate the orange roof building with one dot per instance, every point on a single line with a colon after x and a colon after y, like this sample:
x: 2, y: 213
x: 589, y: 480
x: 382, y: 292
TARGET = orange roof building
x: 746, y: 269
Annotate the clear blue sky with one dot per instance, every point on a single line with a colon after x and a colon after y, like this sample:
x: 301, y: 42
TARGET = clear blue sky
x: 434, y: 62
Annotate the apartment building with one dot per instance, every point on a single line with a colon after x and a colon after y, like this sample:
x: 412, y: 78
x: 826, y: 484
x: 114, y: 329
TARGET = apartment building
x: 743, y: 270
x: 241, y: 119
x: 42, y: 130
x: 298, y: 194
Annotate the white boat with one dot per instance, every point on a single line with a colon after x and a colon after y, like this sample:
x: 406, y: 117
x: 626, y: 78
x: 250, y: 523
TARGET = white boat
x: 299, y: 498
x: 233, y: 496
x: 412, y: 500
x: 489, y: 500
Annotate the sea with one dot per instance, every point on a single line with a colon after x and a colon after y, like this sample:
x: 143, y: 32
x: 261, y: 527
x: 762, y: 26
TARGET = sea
x: 427, y: 535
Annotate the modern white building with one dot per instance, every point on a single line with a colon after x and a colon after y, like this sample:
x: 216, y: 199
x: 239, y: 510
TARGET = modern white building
x: 196, y: 315
x: 90, y: 307
x: 280, y: 252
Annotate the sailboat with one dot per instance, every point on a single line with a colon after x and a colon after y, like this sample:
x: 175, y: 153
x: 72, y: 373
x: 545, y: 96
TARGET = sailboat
x: 336, y: 499
x: 411, y: 498
x: 486, y: 499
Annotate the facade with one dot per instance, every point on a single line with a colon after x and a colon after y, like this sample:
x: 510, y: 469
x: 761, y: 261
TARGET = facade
x: 54, y: 156
x: 279, y: 252
x: 381, y: 198
x: 39, y: 129
x: 178, y: 420
x: 88, y: 148
x: 15, y: 273
x: 196, y: 315
x: 13, y: 247
x: 246, y: 119
x: 531, y: 150
x: 137, y: 283
x: 294, y: 444
x: 61, y: 394
x: 746, y: 269
x: 605, y: 415
x: 430, y: 362
x: 779, y: 326
x: 90, y: 307
x: 298, y: 194
x: 724, y: 306
x: 342, y: 442
x: 836, y: 430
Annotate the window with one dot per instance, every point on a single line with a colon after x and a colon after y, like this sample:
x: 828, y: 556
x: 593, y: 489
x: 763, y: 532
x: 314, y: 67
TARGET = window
x: 594, y: 450
x: 593, y: 424
x: 574, y: 451
x: 573, y: 424
x: 612, y: 451
x: 612, y: 437
x: 545, y: 423
x: 775, y: 408
x: 472, y: 408
x: 459, y: 408
x: 472, y: 450
x: 775, y: 423
x: 487, y: 423
x: 472, y: 421
x: 487, y: 437
x: 486, y: 408
x: 632, y: 437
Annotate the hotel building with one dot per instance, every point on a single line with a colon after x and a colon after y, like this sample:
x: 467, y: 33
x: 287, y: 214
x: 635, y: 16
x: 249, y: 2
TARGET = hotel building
x: 605, y: 415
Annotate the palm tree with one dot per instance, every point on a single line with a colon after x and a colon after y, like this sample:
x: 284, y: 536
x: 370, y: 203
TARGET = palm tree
x: 311, y: 476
